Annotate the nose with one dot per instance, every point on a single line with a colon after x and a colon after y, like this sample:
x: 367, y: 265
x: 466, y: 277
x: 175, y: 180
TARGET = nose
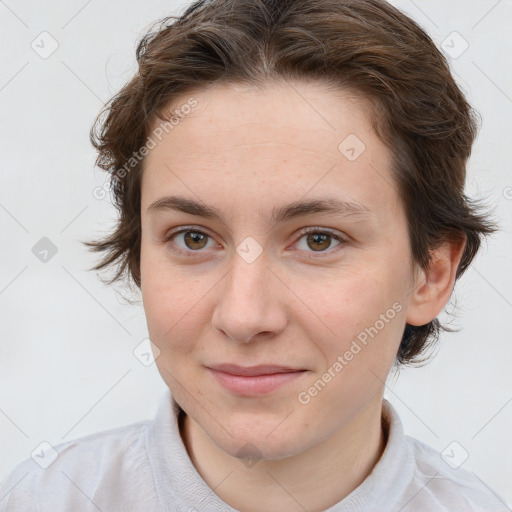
x: 250, y: 304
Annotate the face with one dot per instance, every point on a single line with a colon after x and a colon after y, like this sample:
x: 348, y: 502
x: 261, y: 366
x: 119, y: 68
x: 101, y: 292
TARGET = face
x: 240, y: 274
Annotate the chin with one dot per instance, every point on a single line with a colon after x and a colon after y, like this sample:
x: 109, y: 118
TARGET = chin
x: 265, y: 440
x: 259, y: 447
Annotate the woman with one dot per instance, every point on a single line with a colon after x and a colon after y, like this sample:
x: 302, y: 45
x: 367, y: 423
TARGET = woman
x: 289, y: 177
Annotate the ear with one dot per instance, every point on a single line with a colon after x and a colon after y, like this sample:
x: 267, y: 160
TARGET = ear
x: 433, y: 287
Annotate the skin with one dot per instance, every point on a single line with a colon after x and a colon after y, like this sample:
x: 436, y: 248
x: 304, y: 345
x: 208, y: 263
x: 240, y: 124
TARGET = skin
x: 246, y: 151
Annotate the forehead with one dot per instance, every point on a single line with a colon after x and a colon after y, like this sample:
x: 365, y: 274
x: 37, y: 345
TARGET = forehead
x: 280, y: 142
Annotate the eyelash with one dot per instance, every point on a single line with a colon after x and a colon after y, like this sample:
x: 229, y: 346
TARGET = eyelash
x: 305, y: 231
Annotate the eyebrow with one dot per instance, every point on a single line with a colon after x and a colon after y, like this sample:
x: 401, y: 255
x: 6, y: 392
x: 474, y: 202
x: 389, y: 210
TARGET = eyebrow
x: 329, y: 205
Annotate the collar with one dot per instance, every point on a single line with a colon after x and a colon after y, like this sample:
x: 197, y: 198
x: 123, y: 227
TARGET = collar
x: 180, y: 487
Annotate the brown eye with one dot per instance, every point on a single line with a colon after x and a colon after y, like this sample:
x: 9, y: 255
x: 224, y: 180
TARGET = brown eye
x: 195, y: 240
x: 189, y: 241
x: 319, y: 241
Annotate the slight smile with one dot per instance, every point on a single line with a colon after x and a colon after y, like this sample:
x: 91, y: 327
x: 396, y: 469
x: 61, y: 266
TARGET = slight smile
x: 254, y: 380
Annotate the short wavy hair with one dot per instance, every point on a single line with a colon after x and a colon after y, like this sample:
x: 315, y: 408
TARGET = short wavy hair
x: 367, y: 47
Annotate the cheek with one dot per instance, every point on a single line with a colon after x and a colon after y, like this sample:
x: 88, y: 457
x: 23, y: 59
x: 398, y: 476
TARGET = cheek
x: 169, y: 312
x: 168, y: 299
x: 363, y: 318
x: 356, y: 300
x: 356, y: 361
x: 177, y: 308
x: 173, y: 326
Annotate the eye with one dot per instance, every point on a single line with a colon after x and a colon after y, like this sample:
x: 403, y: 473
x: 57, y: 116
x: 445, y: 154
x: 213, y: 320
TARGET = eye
x: 186, y: 241
x: 318, y: 240
x: 189, y: 240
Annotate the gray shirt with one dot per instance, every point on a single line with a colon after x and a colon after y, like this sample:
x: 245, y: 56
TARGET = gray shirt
x: 145, y: 467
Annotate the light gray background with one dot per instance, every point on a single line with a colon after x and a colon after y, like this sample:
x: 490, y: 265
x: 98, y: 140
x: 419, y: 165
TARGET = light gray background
x: 67, y: 367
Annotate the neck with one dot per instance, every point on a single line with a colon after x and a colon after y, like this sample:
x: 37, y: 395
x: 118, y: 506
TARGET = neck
x: 313, y: 480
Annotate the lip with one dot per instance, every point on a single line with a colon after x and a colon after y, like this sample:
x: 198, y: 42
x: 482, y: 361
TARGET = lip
x: 254, y: 380
x: 253, y: 371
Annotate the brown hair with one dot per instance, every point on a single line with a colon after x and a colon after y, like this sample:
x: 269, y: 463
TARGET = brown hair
x: 364, y: 46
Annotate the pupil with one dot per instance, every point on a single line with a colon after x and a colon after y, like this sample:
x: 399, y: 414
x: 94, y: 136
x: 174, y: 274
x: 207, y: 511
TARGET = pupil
x: 193, y: 238
x: 315, y: 238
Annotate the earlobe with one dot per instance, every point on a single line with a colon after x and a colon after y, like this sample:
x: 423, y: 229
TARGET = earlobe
x: 433, y: 287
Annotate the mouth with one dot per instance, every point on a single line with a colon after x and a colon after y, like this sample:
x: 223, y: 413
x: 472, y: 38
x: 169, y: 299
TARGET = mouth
x: 254, y: 380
